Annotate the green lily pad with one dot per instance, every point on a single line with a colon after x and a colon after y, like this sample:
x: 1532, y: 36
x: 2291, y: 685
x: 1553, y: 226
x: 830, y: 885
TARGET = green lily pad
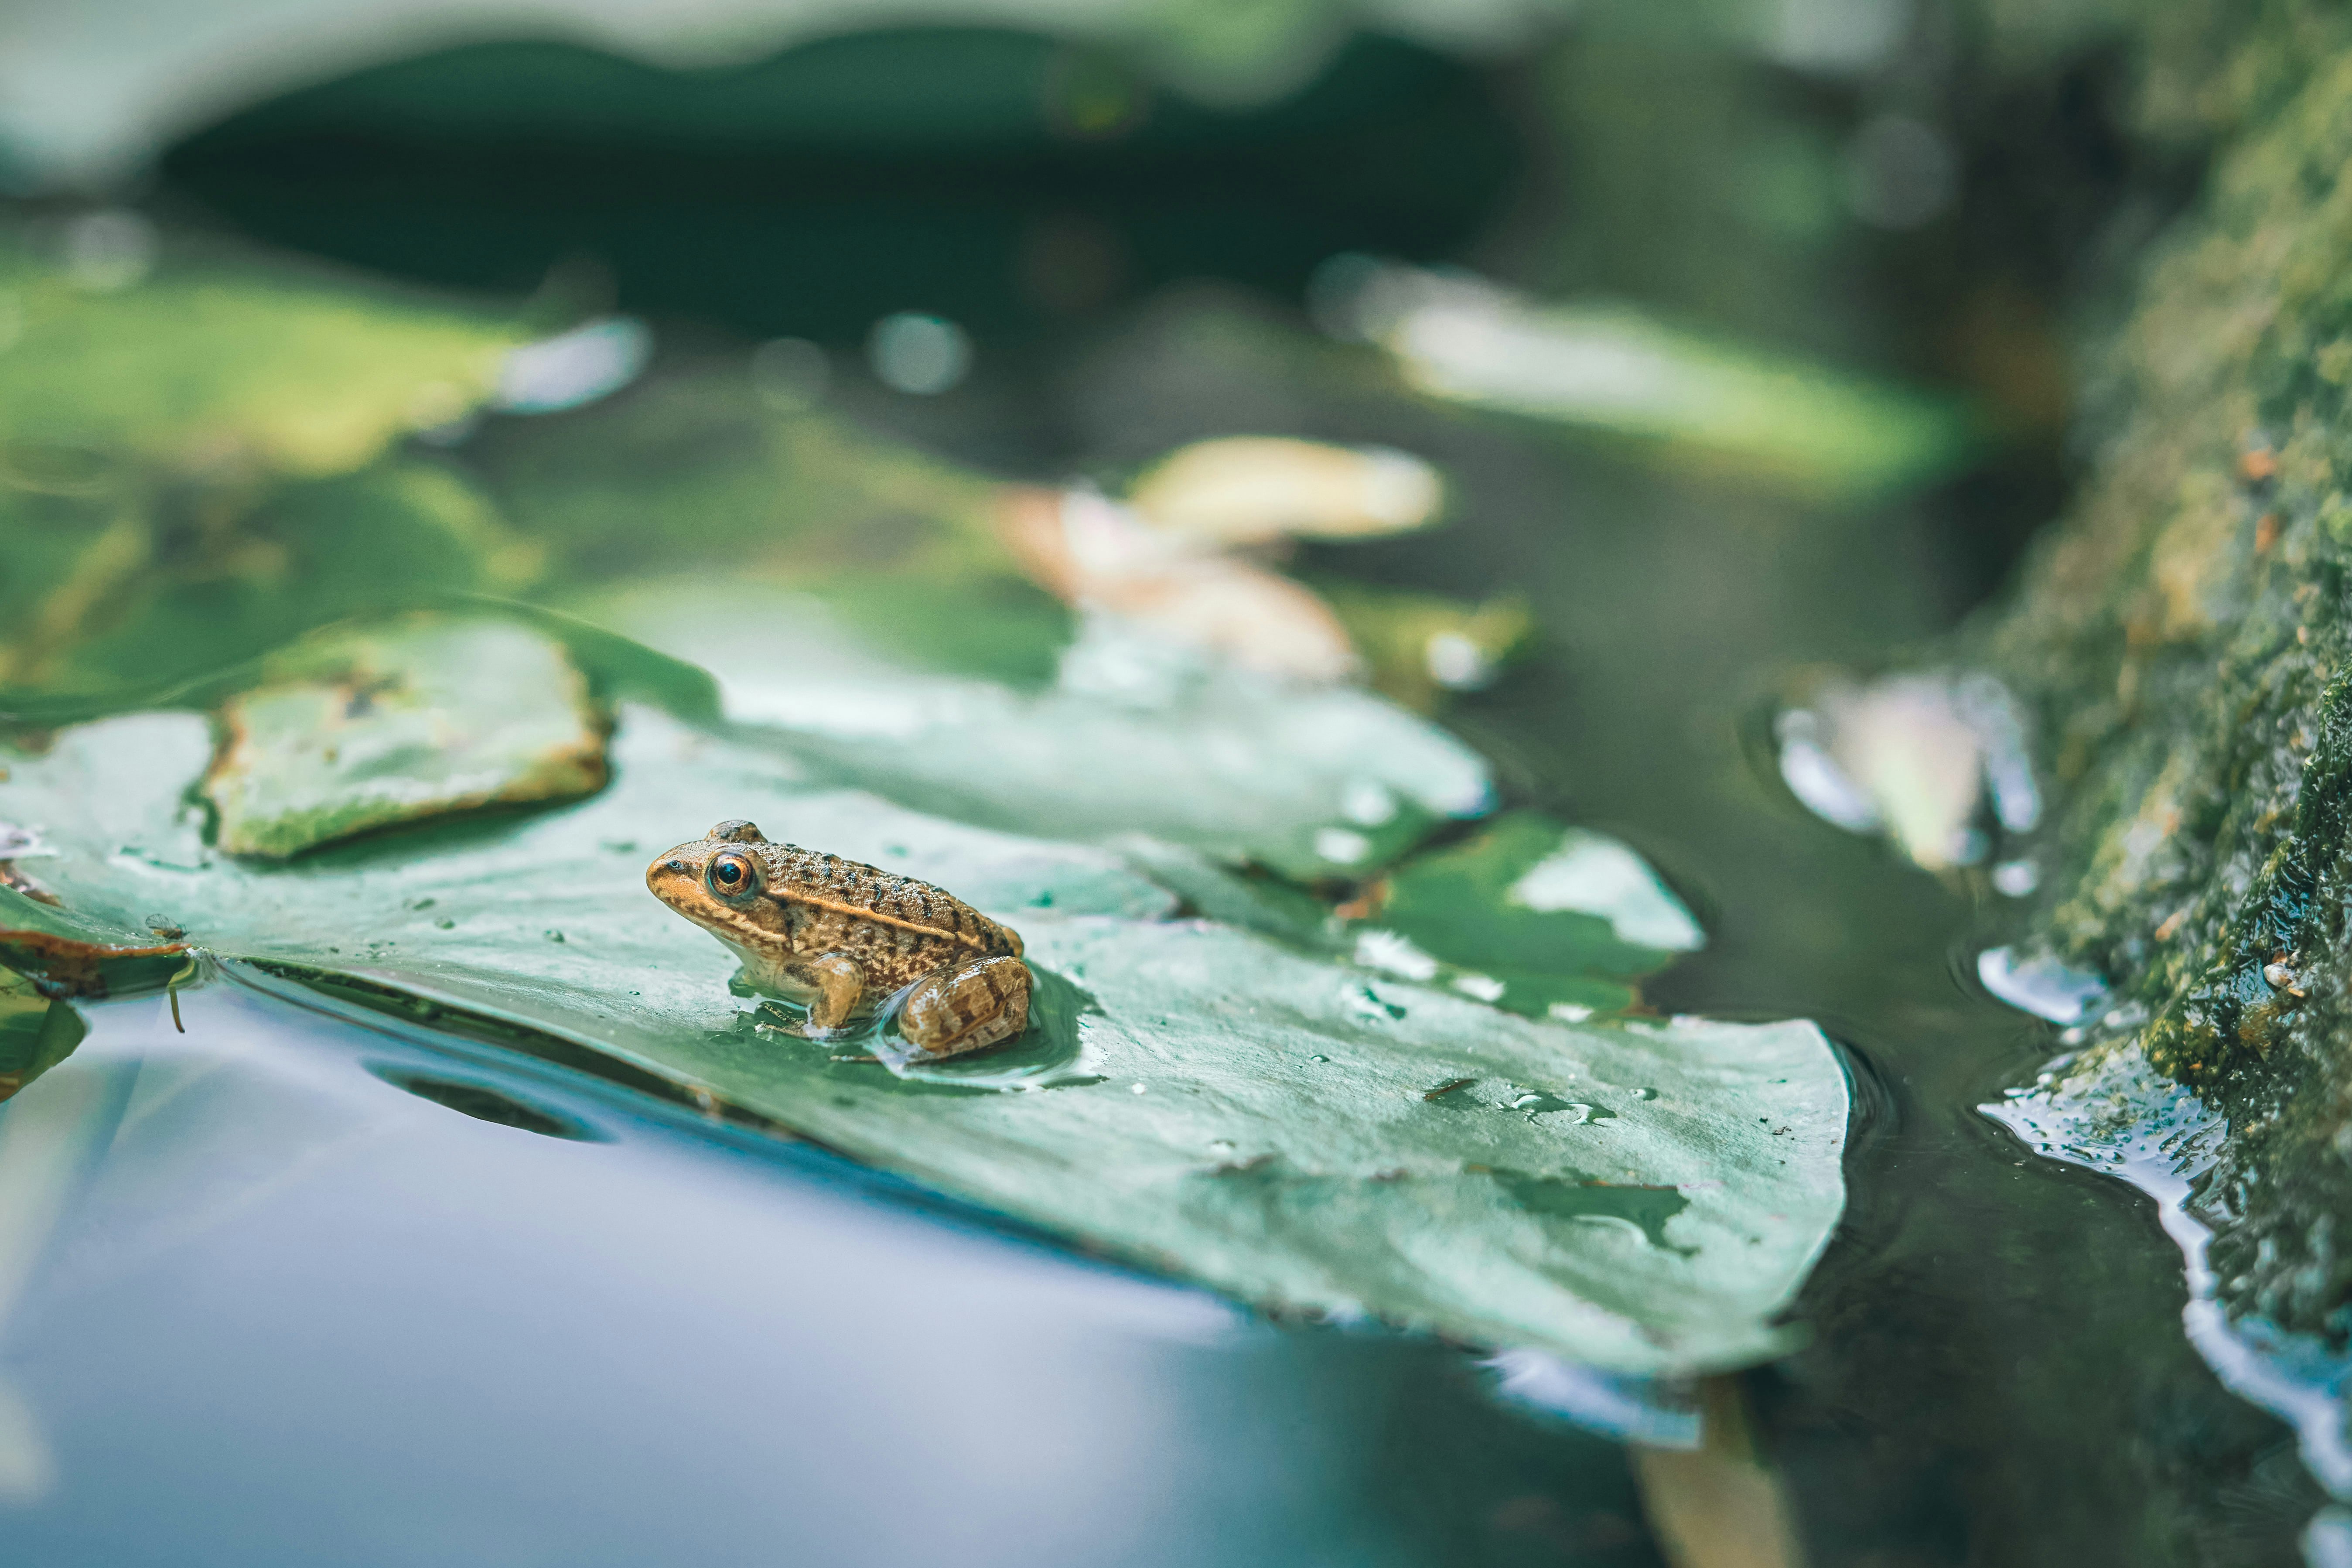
x: 360, y: 728
x: 1534, y: 915
x: 218, y: 357
x: 1252, y: 1112
x: 1134, y: 736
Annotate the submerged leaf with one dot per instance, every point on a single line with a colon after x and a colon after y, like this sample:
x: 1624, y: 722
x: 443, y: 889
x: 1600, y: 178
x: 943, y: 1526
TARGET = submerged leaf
x: 361, y: 728
x: 1250, y: 1111
x: 1935, y: 759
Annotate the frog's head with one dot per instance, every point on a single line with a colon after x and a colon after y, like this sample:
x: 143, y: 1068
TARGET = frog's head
x: 715, y: 882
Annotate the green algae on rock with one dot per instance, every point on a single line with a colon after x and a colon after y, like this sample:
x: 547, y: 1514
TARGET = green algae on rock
x: 2184, y: 643
x: 1221, y: 1102
x: 360, y: 728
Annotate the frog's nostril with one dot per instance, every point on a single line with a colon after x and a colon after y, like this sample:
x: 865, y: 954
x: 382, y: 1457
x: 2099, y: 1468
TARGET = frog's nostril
x: 674, y: 865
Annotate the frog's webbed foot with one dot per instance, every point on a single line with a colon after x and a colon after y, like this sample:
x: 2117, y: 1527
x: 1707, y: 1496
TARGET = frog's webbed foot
x: 776, y: 1017
x: 967, y: 1007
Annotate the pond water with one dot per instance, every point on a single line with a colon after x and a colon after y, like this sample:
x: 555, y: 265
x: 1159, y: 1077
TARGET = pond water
x: 1999, y: 1371
x: 292, y: 1287
x: 292, y: 1283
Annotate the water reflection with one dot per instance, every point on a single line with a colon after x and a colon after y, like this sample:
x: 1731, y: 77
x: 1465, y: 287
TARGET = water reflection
x: 261, y: 1296
x: 484, y: 1103
x: 45, y: 1143
x: 592, y: 359
x: 2159, y: 1136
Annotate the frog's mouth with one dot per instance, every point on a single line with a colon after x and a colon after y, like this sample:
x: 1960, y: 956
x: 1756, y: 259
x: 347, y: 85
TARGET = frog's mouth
x: 677, y: 880
x: 736, y: 927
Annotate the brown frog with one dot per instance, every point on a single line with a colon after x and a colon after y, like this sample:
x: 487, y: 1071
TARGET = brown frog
x: 842, y: 938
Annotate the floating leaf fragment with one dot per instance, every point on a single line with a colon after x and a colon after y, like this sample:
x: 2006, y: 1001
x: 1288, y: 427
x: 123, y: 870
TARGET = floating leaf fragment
x: 1934, y: 759
x: 2040, y: 985
x: 1546, y: 916
x: 360, y: 728
x: 1098, y: 555
x: 1256, y: 489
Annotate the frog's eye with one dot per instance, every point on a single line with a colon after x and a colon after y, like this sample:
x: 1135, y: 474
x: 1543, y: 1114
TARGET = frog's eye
x: 733, y: 876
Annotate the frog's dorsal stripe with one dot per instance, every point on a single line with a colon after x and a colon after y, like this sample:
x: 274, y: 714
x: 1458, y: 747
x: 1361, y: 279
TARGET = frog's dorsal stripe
x: 862, y: 913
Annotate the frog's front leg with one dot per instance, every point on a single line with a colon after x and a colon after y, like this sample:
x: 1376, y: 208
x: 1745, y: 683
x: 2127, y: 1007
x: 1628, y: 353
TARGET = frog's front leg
x: 967, y: 1006
x: 839, y: 981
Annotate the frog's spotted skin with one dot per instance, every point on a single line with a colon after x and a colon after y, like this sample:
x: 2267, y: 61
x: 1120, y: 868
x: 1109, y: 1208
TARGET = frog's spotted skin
x: 841, y: 936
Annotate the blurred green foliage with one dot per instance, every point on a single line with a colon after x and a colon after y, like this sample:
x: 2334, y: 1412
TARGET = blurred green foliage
x: 219, y: 359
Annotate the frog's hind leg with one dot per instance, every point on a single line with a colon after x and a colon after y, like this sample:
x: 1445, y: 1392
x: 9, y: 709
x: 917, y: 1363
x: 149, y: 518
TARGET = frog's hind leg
x: 967, y: 1007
